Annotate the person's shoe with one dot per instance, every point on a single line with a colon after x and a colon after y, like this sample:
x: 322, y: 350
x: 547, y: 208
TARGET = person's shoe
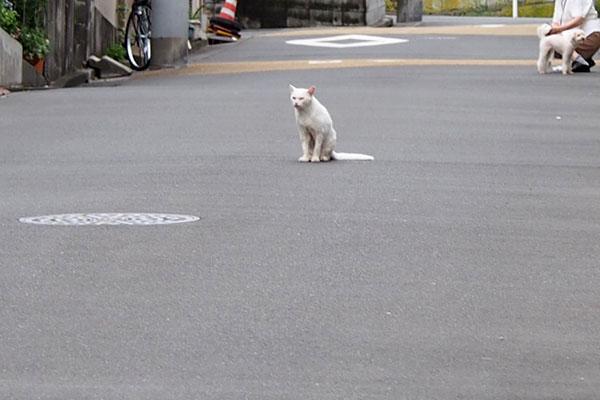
x: 590, y: 62
x: 579, y: 67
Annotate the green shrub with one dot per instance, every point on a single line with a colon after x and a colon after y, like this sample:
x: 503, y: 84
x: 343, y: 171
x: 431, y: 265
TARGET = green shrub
x: 530, y: 8
x: 31, y: 12
x: 391, y: 6
x: 8, y: 19
x: 24, y: 24
x: 34, y: 42
x: 116, y: 52
x: 544, y: 10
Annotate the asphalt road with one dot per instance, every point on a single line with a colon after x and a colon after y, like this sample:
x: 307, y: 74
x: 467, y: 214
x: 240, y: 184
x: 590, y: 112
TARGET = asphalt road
x: 461, y: 264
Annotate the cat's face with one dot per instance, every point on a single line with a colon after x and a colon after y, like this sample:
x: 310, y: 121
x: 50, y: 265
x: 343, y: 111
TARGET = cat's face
x: 301, y: 97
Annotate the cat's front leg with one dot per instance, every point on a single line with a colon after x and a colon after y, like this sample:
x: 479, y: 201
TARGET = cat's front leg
x: 306, y: 148
x: 306, y: 154
x: 316, y: 155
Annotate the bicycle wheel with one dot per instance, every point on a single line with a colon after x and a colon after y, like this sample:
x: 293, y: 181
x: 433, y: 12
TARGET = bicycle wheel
x: 137, y: 37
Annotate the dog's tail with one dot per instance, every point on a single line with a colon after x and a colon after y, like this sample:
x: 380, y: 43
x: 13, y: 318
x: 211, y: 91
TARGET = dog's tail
x: 543, y: 30
x: 351, y: 157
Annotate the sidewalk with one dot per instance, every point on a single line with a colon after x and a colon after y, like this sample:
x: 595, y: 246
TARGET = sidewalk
x: 430, y: 25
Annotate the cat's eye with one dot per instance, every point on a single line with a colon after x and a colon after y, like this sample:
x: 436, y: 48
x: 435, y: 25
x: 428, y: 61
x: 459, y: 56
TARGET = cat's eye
x: 293, y: 98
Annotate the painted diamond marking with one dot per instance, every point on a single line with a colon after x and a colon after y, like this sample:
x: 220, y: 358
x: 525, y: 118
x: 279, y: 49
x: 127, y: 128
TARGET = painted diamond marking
x: 109, y: 219
x: 346, y: 41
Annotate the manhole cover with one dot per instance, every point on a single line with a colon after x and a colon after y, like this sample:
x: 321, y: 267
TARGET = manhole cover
x: 109, y: 219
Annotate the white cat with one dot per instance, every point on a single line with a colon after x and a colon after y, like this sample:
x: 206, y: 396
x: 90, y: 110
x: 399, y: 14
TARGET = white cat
x: 316, y: 129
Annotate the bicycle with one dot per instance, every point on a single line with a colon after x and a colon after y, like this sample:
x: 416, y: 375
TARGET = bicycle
x: 138, y: 35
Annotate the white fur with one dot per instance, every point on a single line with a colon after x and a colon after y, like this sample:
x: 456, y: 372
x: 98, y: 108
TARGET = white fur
x: 543, y: 30
x: 563, y: 44
x: 316, y: 129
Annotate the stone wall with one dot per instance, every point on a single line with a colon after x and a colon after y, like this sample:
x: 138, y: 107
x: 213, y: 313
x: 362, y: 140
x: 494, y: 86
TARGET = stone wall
x: 76, y: 30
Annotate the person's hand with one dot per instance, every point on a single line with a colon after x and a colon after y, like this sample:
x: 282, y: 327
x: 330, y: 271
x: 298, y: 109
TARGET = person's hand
x: 544, y: 30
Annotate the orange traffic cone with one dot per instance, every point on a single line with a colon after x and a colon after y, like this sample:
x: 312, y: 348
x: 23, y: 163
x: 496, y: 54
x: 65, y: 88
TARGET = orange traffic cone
x: 225, y: 24
x: 228, y: 10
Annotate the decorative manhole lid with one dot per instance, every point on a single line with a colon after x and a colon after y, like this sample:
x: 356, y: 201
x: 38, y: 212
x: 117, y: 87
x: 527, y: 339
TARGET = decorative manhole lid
x: 109, y: 219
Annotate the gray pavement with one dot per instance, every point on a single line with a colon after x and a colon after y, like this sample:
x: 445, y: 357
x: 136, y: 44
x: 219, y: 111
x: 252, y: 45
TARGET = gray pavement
x: 461, y: 264
x: 264, y: 45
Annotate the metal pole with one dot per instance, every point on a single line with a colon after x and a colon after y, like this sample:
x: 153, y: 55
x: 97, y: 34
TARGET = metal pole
x: 515, y: 5
x: 170, y: 20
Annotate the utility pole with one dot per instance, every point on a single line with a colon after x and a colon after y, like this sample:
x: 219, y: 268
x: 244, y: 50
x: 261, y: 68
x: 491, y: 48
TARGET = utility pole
x: 170, y: 19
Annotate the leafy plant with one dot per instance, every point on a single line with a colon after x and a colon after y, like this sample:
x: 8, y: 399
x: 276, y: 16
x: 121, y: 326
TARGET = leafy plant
x: 34, y: 42
x: 122, y: 14
x: 527, y: 8
x: 24, y: 23
x: 31, y: 12
x: 117, y: 52
x: 391, y: 6
x: 8, y: 19
x: 544, y: 10
x: 196, y: 14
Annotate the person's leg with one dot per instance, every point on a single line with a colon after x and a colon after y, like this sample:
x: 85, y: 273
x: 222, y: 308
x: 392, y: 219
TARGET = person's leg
x: 582, y: 56
x: 589, y: 46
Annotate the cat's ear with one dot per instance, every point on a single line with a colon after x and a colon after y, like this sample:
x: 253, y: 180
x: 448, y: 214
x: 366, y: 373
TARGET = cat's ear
x: 292, y: 88
x: 311, y: 90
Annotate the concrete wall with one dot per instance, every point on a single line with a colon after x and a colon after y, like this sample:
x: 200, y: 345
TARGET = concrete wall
x: 11, y: 65
x: 304, y: 13
x: 409, y: 10
x: 375, y: 11
x: 108, y: 9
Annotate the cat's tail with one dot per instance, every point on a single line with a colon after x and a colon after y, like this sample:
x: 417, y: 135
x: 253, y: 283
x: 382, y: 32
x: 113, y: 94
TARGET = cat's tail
x: 351, y: 157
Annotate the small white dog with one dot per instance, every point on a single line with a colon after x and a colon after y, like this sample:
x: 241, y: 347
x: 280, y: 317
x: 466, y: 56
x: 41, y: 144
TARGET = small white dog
x: 563, y: 44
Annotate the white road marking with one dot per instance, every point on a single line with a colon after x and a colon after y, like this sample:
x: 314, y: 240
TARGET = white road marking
x: 336, y: 42
x: 316, y: 62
